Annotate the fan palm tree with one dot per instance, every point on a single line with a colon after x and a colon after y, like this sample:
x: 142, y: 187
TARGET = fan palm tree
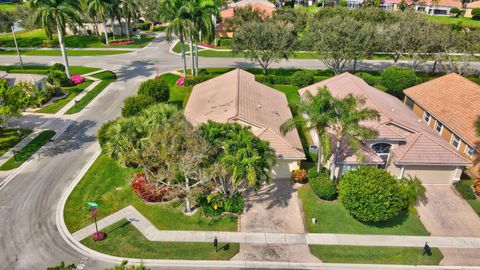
x: 319, y: 111
x: 99, y: 9
x: 130, y: 10
x: 57, y: 14
x: 177, y: 14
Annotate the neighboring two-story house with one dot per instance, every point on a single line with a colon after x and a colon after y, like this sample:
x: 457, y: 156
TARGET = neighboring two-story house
x: 404, y: 146
x: 438, y: 8
x: 449, y: 105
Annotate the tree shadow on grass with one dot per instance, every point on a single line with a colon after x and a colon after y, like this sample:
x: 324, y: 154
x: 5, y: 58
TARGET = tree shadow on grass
x: 121, y: 225
x: 396, y: 221
x: 226, y: 247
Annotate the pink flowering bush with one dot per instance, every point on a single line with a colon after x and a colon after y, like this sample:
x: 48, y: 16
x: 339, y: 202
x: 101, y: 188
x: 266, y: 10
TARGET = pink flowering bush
x: 77, y: 79
x: 181, y: 81
x: 122, y: 43
x: 205, y: 44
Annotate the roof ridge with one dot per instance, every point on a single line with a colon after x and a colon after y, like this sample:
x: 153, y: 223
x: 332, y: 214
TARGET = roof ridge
x: 237, y: 97
x: 417, y: 136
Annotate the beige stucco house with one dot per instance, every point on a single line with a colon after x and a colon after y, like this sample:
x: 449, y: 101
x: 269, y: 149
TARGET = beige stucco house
x: 449, y: 106
x: 15, y: 78
x: 404, y: 145
x: 235, y: 97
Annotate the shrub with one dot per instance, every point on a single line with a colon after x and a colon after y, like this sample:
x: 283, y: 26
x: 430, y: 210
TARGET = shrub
x: 312, y: 172
x: 157, y: 89
x: 142, y: 26
x: 134, y: 105
x: 299, y: 175
x: 302, y: 78
x: 272, y: 79
x: 456, y: 12
x: 368, y: 78
x: 151, y: 191
x: 102, y: 134
x: 476, y: 14
x: 77, y: 79
x: 225, y: 42
x: 58, y: 78
x: 50, y: 43
x: 203, y: 72
x: 465, y: 189
x: 370, y: 194
x: 412, y: 190
x: 216, y: 203
x: 397, y: 79
x: 323, y: 187
x: 58, y: 66
x: 190, y: 81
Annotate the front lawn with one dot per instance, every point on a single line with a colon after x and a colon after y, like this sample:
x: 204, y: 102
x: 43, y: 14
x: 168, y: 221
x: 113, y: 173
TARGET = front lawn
x: 124, y: 240
x: 442, y: 20
x: 178, y: 94
x: 469, y: 197
x: 333, y: 218
x: 72, y: 92
x: 375, y: 255
x: 79, y: 70
x: 9, y: 137
x: 107, y: 77
x: 69, y: 52
x: 108, y: 184
x: 31, y: 148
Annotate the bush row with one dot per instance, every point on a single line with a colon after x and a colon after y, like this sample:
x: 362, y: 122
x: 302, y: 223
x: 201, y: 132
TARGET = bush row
x: 150, y: 92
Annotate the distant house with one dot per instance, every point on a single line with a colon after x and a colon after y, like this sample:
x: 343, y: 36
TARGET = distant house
x: 404, y: 145
x: 394, y: 5
x: 470, y: 7
x: 449, y: 106
x: 440, y: 7
x: 235, y: 97
x: 15, y: 78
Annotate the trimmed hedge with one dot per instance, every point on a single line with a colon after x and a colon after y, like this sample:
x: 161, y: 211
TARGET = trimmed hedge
x: 302, y: 78
x: 370, y: 194
x: 323, y: 187
x: 58, y: 78
x: 397, y: 79
x: 368, y: 78
x: 476, y: 14
x: 135, y: 105
x: 465, y: 190
x: 191, y: 81
x: 273, y: 79
x: 157, y: 89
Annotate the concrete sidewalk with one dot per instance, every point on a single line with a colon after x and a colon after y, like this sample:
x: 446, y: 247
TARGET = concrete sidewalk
x: 154, y: 234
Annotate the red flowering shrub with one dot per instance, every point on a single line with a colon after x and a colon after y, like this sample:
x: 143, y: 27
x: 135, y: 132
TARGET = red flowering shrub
x: 205, y: 44
x: 151, y: 191
x: 299, y: 175
x: 122, y: 43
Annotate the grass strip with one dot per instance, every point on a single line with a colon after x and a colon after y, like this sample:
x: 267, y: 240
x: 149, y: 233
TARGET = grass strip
x: 27, y: 151
x: 79, y: 70
x: 9, y: 137
x: 72, y: 92
x: 124, y: 240
x: 69, y: 52
x: 376, y: 255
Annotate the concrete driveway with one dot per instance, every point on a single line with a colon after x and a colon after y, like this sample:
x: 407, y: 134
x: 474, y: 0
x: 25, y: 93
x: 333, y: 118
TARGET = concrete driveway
x: 445, y: 213
x: 274, y: 208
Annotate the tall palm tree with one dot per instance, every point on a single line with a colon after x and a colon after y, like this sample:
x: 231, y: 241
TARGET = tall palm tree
x: 319, y: 112
x: 100, y: 10
x: 177, y: 14
x: 57, y: 14
x: 130, y: 10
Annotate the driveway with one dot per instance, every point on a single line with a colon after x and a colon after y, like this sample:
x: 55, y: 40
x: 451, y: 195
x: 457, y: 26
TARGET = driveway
x: 445, y: 213
x: 274, y: 208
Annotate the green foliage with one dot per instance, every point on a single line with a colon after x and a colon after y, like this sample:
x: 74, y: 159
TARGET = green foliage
x: 102, y: 134
x: 123, y: 266
x: 312, y: 172
x: 217, y: 203
x: 203, y: 72
x: 157, y: 89
x: 135, y: 105
x: 62, y: 266
x: 370, y: 194
x: 465, y: 189
x: 15, y: 98
x: 456, y: 12
x: 144, y: 26
x: 58, y: 78
x: 302, y: 78
x: 323, y: 187
x: 412, y: 190
x: 191, y: 81
x: 368, y: 78
x: 397, y: 79
x: 476, y: 14
x: 273, y: 79
x: 58, y: 66
x: 225, y: 42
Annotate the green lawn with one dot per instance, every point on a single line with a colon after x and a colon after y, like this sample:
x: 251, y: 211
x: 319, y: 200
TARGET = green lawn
x: 72, y: 92
x: 8, y: 6
x: 468, y: 22
x: 109, y: 185
x: 107, y: 77
x: 69, y: 52
x: 178, y: 94
x: 376, y: 255
x: 124, y: 240
x: 333, y: 218
x: 475, y: 204
x: 26, y: 152
x: 79, y: 70
x: 36, y: 38
x: 9, y: 137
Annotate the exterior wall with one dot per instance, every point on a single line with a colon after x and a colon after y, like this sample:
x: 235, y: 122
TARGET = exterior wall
x: 394, y: 170
x: 418, y: 111
x: 444, y: 175
x: 283, y: 169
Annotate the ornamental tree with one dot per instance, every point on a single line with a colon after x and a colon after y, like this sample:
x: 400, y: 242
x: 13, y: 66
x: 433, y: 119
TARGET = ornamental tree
x: 157, y: 89
x: 370, y: 194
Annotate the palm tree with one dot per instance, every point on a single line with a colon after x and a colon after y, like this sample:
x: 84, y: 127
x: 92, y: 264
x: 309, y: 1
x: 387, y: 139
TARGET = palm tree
x: 57, y: 14
x: 176, y: 13
x: 318, y: 111
x: 99, y: 9
x: 130, y: 10
x: 346, y: 128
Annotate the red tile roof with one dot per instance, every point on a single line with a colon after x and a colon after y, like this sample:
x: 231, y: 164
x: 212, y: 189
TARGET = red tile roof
x: 445, y: 3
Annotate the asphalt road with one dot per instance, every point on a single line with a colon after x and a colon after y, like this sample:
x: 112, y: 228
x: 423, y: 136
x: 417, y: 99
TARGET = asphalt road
x: 29, y: 238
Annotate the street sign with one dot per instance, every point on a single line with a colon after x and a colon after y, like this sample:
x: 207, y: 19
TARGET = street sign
x: 92, y: 204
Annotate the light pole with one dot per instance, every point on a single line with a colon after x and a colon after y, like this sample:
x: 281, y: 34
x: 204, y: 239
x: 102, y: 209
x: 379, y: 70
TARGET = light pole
x: 16, y: 46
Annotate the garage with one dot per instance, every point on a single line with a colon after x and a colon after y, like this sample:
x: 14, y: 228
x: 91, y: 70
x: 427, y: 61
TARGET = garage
x: 434, y: 175
x: 283, y: 169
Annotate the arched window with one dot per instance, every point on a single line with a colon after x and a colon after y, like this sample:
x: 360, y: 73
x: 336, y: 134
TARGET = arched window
x: 382, y: 150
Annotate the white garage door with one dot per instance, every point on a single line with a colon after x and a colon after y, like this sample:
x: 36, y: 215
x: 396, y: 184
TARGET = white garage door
x: 431, y: 174
x: 283, y: 169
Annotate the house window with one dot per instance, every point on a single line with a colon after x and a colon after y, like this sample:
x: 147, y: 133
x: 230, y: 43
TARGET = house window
x: 455, y: 141
x: 426, y: 117
x: 439, y: 127
x: 469, y: 151
x: 383, y: 151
